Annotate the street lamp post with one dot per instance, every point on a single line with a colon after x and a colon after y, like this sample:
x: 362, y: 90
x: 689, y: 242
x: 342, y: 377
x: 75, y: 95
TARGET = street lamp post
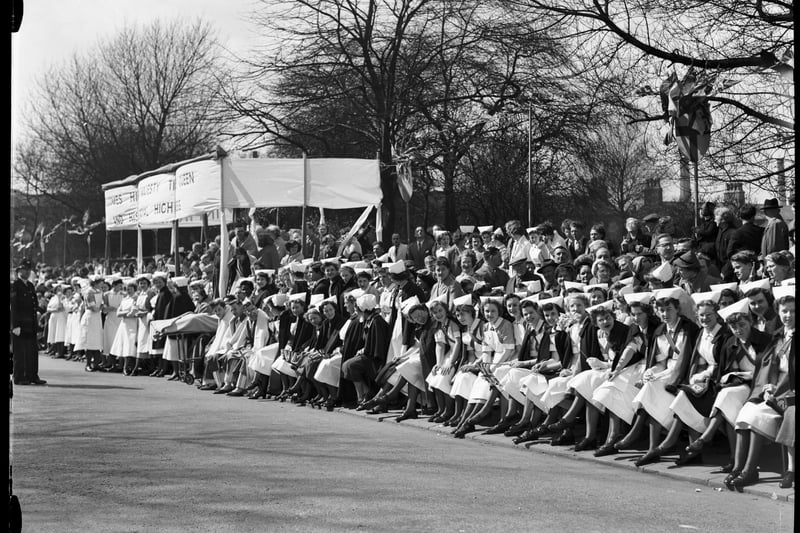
x: 530, y: 168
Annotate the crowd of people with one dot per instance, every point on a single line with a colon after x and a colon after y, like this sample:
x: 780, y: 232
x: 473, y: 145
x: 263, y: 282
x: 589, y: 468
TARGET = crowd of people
x: 656, y: 337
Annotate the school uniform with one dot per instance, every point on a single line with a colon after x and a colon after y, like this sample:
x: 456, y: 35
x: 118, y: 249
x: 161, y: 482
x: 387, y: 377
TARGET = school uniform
x: 364, y: 366
x: 554, y: 345
x: 124, y: 343
x: 604, y: 346
x: 499, y: 345
x: 420, y: 354
x: 112, y: 320
x: 528, y: 338
x: 471, y: 347
x: 557, y: 387
x: 446, y: 336
x: 91, y: 323
x: 143, y: 337
x: 57, y: 322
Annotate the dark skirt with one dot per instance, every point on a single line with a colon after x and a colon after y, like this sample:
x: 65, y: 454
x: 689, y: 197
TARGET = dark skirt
x: 359, y: 368
x: 705, y: 402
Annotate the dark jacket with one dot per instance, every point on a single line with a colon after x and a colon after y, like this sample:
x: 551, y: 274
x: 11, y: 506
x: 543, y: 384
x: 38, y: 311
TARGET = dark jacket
x: 23, y: 308
x: 417, y: 252
x: 724, y: 235
x: 747, y: 237
x: 682, y: 359
x: 718, y: 342
x: 768, y: 369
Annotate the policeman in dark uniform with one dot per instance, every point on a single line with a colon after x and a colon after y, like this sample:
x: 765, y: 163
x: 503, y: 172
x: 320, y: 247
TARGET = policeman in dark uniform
x: 23, y: 328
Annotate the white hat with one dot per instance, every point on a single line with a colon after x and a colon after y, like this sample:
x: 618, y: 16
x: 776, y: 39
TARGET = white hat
x: 532, y: 298
x: 627, y: 281
x: 466, y: 229
x: 722, y: 286
x: 332, y: 260
x: 742, y: 306
x: 783, y: 290
x: 485, y: 229
x: 521, y: 294
x: 408, y: 303
x: 355, y: 293
x: 497, y: 299
x: 308, y: 261
x: 297, y: 296
x: 396, y: 267
x: 556, y: 300
x: 530, y: 230
x: 533, y: 286
x: 640, y: 297
x: 265, y: 272
x: 332, y: 300
x: 498, y: 288
x: 442, y: 298
x: 367, y: 302
x: 384, y: 258
x: 714, y: 296
x: 356, y: 264
x: 674, y: 292
x: 574, y: 285
x: 297, y: 267
x: 627, y: 289
x: 316, y: 299
x: 180, y: 281
x: 160, y: 274
x: 360, y: 270
x: 608, y: 304
x: 589, y: 288
x: 758, y: 284
x: 463, y: 300
x: 198, y: 283
x: 788, y: 281
x: 662, y: 272
x: 499, y: 231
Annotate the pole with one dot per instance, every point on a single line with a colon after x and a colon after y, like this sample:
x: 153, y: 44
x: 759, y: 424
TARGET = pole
x: 408, y: 221
x: 106, y: 245
x: 64, y: 256
x: 175, y: 254
x: 530, y: 167
x: 120, y: 244
x: 696, y: 195
x: 204, y: 229
x: 305, y: 201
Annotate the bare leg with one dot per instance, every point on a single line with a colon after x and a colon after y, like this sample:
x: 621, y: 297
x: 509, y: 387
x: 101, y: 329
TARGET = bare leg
x: 636, y: 429
x: 615, y: 425
x: 485, y: 410
x: 672, y: 435
x: 592, y: 418
x: 575, y: 409
x: 742, y: 449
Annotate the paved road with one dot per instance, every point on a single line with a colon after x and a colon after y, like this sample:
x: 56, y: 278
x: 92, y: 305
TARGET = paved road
x: 104, y: 452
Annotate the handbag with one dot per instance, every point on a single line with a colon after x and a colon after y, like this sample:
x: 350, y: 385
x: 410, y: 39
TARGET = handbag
x: 695, y: 389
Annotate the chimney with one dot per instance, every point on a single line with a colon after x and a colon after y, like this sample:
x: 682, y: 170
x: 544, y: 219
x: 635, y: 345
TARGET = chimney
x: 685, y: 184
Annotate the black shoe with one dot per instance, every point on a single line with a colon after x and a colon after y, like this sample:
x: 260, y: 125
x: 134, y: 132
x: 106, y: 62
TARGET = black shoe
x: 788, y: 481
x: 561, y: 425
x: 744, y: 479
x: 406, y: 416
x: 236, y: 392
x: 463, y: 430
x: 174, y: 377
x: 586, y: 444
x: 728, y: 481
x: 527, y: 435
x: 37, y: 381
x: 377, y: 410
x: 208, y: 386
x: 650, y: 457
x: 565, y: 438
x: 500, y: 427
x: 727, y: 469
x: 224, y: 390
x: 604, y: 450
x: 517, y: 429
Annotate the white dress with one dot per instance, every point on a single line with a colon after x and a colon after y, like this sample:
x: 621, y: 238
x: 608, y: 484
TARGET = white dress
x: 91, y: 324
x: 143, y: 328
x: 618, y: 394
x: 759, y: 417
x: 653, y: 397
x: 73, y: 330
x: 57, y: 323
x: 557, y: 387
x: 124, y: 343
x: 492, y: 343
x: 111, y: 324
x: 463, y: 380
x: 330, y: 369
x: 436, y: 379
x: 730, y: 400
x: 682, y: 405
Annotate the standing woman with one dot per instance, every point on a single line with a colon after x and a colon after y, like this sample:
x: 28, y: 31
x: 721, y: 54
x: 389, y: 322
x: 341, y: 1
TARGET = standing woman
x: 111, y: 301
x: 91, y: 325
x: 448, y: 347
x: 239, y: 267
x: 124, y: 344
x: 74, y: 306
x: 733, y: 377
x: 773, y: 394
x: 447, y: 249
x: 57, y: 323
x: 143, y: 338
x: 160, y: 302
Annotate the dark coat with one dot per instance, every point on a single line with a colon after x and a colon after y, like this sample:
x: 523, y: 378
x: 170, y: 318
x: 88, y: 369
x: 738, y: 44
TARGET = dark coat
x: 747, y: 237
x: 23, y: 308
x: 768, y: 369
x: 417, y: 252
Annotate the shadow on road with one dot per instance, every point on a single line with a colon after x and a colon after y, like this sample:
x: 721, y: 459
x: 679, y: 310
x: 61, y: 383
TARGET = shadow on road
x: 95, y: 387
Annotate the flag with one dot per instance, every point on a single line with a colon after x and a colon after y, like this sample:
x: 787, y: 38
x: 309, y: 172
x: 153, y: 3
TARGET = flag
x: 688, y: 115
x: 85, y: 220
x: 405, y: 181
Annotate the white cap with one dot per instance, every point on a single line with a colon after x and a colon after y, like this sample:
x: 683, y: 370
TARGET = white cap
x: 297, y: 267
x: 742, y: 306
x: 714, y: 296
x: 396, y: 267
x: 355, y: 293
x: 297, y: 296
x: 360, y: 270
x: 574, y: 285
x: 463, y: 300
x: 674, y: 292
x: 640, y: 297
x: 334, y: 260
x: 783, y: 290
x: 530, y: 230
x: 160, y: 274
x: 758, y: 284
x: 532, y: 298
x: 265, y: 272
x: 627, y: 281
x: 533, y: 286
x: 466, y: 229
x: 788, y: 281
x: 384, y: 258
x: 608, y: 304
x: 442, y: 298
x: 408, y: 303
x: 367, y: 302
x: 332, y: 300
x: 497, y: 299
x: 498, y: 231
x: 722, y: 286
x: 603, y: 286
x: 356, y: 264
x: 521, y: 294
x: 485, y: 229
x: 316, y: 299
x: 627, y: 289
x: 308, y: 261
x: 180, y: 281
x: 557, y: 300
x: 662, y: 272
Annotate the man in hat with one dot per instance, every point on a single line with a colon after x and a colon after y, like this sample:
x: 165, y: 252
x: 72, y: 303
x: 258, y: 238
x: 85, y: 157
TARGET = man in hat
x: 692, y: 278
x: 776, y: 233
x: 650, y: 222
x: 490, y: 273
x: 23, y: 327
x: 705, y: 233
x: 420, y: 247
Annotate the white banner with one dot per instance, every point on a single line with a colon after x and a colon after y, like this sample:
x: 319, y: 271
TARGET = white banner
x: 156, y: 199
x: 262, y: 182
x: 121, y: 207
x: 198, y: 188
x: 335, y: 183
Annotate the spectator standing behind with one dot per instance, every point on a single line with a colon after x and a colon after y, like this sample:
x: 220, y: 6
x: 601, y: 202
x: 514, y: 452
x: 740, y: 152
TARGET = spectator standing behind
x: 705, y: 234
x: 398, y: 251
x: 727, y: 226
x: 748, y: 236
x: 422, y: 246
x: 267, y: 257
x: 576, y: 243
x: 635, y: 240
x: 776, y: 234
x: 243, y: 239
x: 23, y: 327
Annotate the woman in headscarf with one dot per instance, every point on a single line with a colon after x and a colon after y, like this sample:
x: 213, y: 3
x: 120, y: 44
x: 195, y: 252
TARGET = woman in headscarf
x: 329, y: 367
x: 362, y: 367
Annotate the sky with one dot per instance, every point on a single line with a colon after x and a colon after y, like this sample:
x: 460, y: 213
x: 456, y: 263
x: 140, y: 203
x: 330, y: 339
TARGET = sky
x: 52, y: 31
